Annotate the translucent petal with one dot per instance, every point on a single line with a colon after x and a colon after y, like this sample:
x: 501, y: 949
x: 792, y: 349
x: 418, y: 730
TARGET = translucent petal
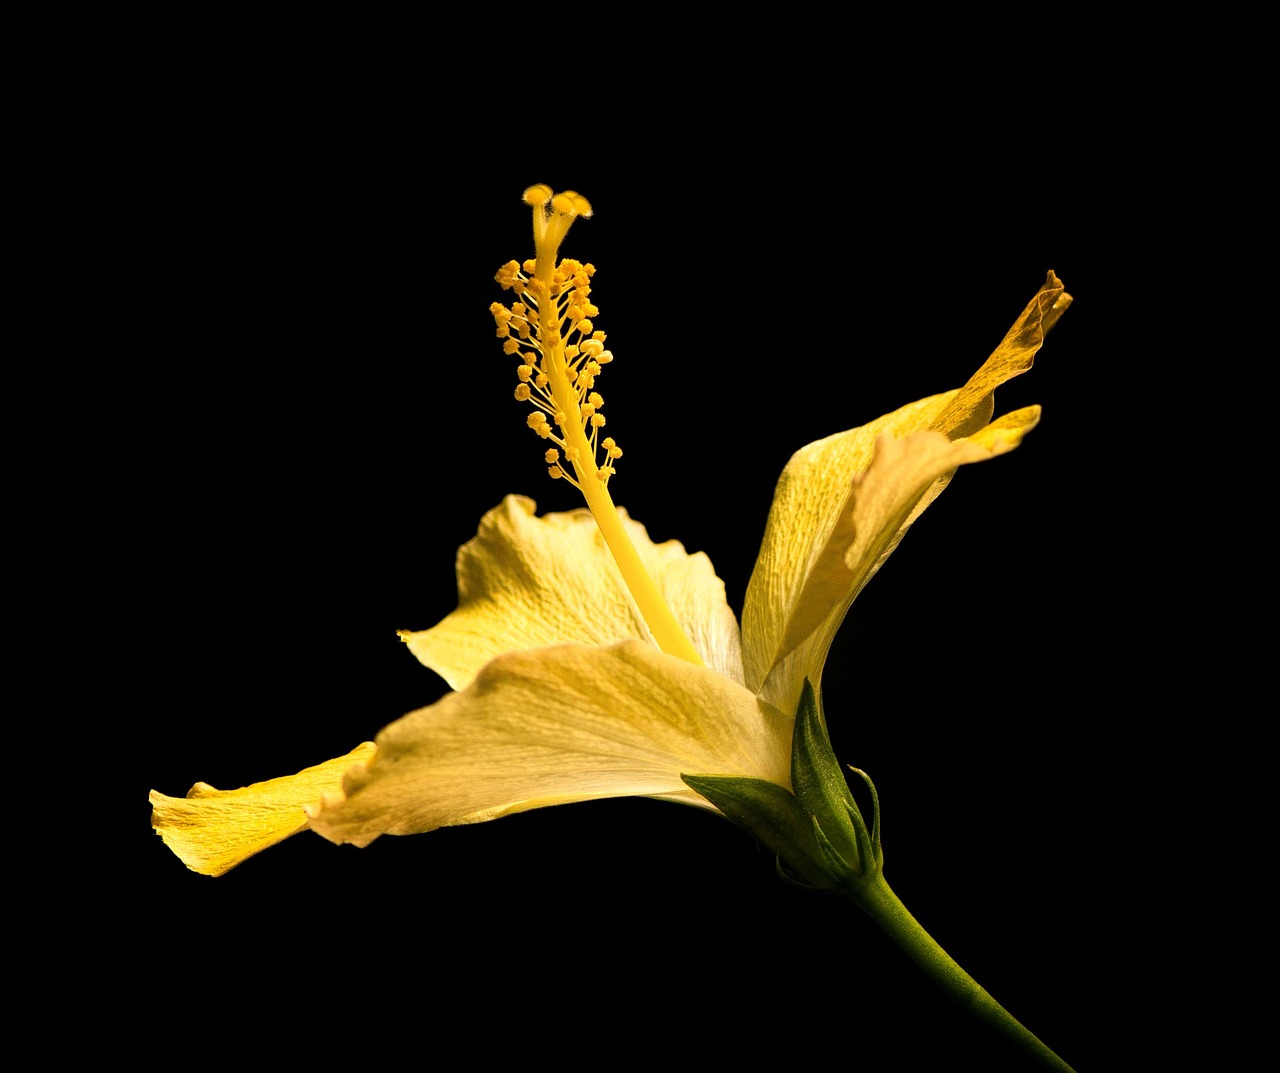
x: 529, y: 582
x: 547, y: 726
x: 810, y: 501
x: 971, y: 407
x: 904, y: 477
x: 803, y: 584
x: 214, y: 830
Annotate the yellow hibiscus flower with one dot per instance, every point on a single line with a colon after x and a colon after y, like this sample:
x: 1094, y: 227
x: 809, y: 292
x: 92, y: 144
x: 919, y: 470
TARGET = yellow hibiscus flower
x: 590, y: 662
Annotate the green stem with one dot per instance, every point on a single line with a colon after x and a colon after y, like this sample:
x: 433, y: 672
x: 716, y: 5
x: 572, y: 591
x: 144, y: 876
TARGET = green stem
x: 884, y: 906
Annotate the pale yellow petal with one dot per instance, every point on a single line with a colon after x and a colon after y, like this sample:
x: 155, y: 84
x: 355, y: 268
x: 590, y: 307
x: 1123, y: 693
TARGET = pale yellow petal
x: 903, y: 478
x: 547, y: 726
x: 214, y: 830
x: 528, y: 582
x: 810, y: 522
x: 810, y: 500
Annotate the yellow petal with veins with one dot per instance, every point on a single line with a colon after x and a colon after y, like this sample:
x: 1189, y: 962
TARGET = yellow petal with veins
x: 904, y: 477
x: 553, y: 725
x: 214, y: 830
x: 833, y: 521
x: 529, y: 582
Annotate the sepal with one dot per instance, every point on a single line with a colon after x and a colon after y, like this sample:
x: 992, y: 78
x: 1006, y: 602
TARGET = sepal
x: 817, y: 832
x: 772, y: 815
x: 820, y: 785
x: 874, y: 837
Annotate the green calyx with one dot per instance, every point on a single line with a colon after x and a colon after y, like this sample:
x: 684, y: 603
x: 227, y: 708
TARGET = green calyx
x: 817, y: 832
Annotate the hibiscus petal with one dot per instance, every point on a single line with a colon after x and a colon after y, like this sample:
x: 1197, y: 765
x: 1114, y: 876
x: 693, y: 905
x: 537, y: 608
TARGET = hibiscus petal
x: 903, y: 478
x: 548, y: 726
x: 970, y: 408
x: 802, y: 585
x: 214, y: 830
x: 529, y: 582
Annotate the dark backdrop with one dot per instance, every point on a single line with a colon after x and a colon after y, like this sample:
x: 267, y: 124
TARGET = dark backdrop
x: 302, y: 412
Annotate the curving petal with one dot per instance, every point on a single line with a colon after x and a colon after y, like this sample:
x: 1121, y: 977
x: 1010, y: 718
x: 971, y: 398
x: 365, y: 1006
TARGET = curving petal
x: 529, y: 582
x: 553, y: 725
x: 214, y: 830
x: 801, y: 588
x: 904, y: 477
x: 811, y: 499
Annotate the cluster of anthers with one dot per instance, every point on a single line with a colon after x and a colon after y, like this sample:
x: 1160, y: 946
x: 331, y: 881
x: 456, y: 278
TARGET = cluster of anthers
x: 561, y: 353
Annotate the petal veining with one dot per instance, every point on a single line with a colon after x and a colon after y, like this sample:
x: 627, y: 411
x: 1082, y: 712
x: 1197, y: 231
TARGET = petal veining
x: 529, y: 582
x: 971, y: 407
x: 803, y: 581
x: 810, y: 501
x: 904, y: 477
x: 214, y: 830
x: 548, y: 726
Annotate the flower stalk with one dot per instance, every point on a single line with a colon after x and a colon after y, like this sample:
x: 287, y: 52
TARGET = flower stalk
x: 879, y: 901
x: 823, y: 842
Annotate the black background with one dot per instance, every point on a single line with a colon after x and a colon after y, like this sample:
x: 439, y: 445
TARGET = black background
x: 298, y: 412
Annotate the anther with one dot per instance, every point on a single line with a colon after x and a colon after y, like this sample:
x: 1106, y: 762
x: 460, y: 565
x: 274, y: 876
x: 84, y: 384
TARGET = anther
x: 569, y: 202
x: 537, y: 195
